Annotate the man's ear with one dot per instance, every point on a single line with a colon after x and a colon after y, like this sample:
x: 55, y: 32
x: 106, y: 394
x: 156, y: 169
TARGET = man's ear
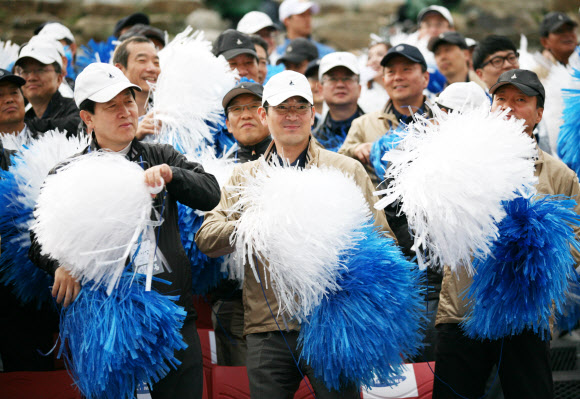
x: 262, y: 114
x: 540, y: 114
x: 121, y: 67
x: 88, y: 119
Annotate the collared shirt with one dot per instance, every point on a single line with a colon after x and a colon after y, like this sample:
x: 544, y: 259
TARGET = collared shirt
x: 331, y: 134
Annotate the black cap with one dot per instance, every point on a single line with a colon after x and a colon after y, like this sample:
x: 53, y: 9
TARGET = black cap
x: 450, y: 37
x: 242, y: 88
x: 133, y: 19
x: 553, y: 21
x: 406, y: 50
x: 7, y: 76
x: 150, y: 32
x: 312, y: 68
x: 527, y: 81
x: 299, y: 50
x: 231, y: 43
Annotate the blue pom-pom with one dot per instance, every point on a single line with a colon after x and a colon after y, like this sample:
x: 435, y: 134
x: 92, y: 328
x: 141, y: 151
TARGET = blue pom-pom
x: 569, y: 136
x: 569, y: 317
x: 223, y: 139
x: 437, y: 81
x: 332, y: 140
x: 112, y: 343
x: 387, y: 142
x: 364, y: 330
x: 29, y: 283
x: 528, y: 272
x: 96, y: 52
x: 205, y: 271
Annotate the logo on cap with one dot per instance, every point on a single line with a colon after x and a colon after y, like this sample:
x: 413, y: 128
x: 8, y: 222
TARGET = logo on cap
x: 1, y: 73
x: 242, y: 86
x: 514, y: 76
x: 289, y: 49
x: 111, y: 76
x: 560, y: 17
x: 400, y: 48
x: 239, y: 42
x: 291, y: 83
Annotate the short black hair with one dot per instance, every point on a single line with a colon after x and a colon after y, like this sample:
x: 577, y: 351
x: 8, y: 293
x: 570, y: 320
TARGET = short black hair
x: 121, y: 54
x: 257, y: 39
x: 57, y: 68
x: 491, y: 44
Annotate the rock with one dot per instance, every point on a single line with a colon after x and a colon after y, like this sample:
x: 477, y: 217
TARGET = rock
x: 206, y: 20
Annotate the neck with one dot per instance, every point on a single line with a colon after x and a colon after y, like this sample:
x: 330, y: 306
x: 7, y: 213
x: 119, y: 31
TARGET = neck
x: 12, y: 127
x: 141, y: 100
x: 458, y: 77
x: 39, y: 105
x: 403, y: 106
x: 290, y: 153
x: 294, y: 35
x: 318, y: 106
x: 342, y: 112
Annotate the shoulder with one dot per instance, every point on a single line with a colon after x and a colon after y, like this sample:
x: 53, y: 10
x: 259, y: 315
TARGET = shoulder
x: 339, y: 161
x: 556, y: 167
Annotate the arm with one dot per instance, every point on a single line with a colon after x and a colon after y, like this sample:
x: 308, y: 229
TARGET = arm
x: 355, y: 145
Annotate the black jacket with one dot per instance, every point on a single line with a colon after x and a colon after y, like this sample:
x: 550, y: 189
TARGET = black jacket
x: 61, y: 113
x: 191, y: 186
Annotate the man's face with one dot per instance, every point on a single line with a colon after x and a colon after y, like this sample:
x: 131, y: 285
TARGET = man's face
x: 262, y: 64
x: 522, y: 106
x: 114, y: 122
x: 300, y: 24
x: 289, y: 129
x: 451, y: 60
x: 316, y: 88
x: 269, y: 35
x: 11, y: 104
x: 142, y: 65
x: 243, y: 120
x: 42, y: 81
x: 561, y: 42
x: 247, y: 66
x: 433, y: 24
x: 490, y: 73
x: 404, y: 80
x: 340, y: 87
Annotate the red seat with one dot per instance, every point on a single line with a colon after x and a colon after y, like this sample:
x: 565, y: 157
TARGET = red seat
x: 38, y: 384
x: 416, y: 383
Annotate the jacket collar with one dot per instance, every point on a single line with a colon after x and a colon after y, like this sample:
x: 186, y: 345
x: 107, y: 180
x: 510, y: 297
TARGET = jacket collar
x: 311, y: 154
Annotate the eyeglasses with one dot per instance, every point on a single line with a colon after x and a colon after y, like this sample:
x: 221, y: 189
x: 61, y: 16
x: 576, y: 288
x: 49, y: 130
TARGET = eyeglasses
x: 285, y: 109
x: 238, y: 109
x: 498, y: 61
x: 38, y: 72
x: 334, y: 80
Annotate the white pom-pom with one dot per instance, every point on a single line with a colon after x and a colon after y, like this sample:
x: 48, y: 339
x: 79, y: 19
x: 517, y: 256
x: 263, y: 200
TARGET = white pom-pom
x: 298, y: 223
x: 451, y: 177
x: 90, y: 213
x: 559, y: 78
x: 8, y: 54
x: 190, y: 90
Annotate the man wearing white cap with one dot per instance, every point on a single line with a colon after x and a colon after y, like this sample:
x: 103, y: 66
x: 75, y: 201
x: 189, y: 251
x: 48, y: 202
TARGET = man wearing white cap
x: 40, y: 64
x: 296, y: 15
x: 339, y: 79
x: 288, y: 112
x: 63, y: 35
x: 259, y: 23
x: 107, y: 103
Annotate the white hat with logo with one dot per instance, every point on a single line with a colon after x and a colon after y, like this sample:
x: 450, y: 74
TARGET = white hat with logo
x: 42, y: 51
x: 338, y: 59
x: 100, y: 83
x: 284, y: 85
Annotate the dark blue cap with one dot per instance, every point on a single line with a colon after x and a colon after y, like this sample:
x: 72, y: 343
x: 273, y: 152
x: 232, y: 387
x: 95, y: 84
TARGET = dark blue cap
x: 405, y: 50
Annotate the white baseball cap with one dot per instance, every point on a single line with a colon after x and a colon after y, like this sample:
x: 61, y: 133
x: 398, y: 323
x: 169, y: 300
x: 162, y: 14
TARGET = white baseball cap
x: 50, y: 41
x: 100, y: 83
x: 255, y: 21
x: 444, y: 12
x: 295, y: 7
x: 284, y: 85
x: 42, y: 51
x: 462, y: 96
x: 339, y: 58
x: 57, y: 31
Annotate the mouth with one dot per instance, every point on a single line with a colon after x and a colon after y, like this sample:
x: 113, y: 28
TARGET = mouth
x: 247, y: 125
x: 10, y: 109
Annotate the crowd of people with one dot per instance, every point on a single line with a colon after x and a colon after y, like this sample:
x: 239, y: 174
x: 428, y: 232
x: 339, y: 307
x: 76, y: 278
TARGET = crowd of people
x: 302, y: 102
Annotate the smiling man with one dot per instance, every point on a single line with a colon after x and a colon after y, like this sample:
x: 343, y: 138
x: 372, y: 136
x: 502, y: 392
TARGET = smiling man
x: 558, y: 37
x: 108, y: 108
x: 463, y: 363
x: 288, y: 112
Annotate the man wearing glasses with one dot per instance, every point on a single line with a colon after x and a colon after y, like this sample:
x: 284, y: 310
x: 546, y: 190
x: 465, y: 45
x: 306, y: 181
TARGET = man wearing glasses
x: 493, y: 56
x: 41, y: 66
x: 339, y: 79
x: 288, y: 112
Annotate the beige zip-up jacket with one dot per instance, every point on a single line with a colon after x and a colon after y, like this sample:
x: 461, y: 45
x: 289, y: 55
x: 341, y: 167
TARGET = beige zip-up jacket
x: 213, y: 237
x: 554, y: 177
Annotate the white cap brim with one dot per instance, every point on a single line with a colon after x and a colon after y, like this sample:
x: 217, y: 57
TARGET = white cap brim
x: 107, y: 93
x: 278, y: 98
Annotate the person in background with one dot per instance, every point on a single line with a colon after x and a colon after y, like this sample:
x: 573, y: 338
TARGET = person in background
x: 261, y: 47
x: 238, y: 49
x: 64, y: 36
x: 373, y: 95
x: 311, y: 74
x: 259, y: 23
x: 298, y: 54
x: 124, y: 24
x: 493, y: 56
x: 156, y: 35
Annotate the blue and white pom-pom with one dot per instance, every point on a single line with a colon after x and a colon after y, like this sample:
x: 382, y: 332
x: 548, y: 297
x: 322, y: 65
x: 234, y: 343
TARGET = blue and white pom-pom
x: 452, y: 176
x: 363, y: 331
x: 96, y: 52
x: 111, y: 343
x: 90, y: 213
x: 569, y: 137
x: 19, y: 189
x: 528, y: 271
x: 386, y: 143
x: 569, y: 317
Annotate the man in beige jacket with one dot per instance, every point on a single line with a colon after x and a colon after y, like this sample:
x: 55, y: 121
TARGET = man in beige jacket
x: 288, y: 112
x: 462, y: 363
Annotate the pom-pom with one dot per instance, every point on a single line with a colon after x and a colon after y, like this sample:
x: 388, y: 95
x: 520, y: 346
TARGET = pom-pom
x: 19, y: 188
x: 96, y: 52
x: 452, y: 177
x: 386, y: 143
x: 558, y: 79
x: 317, y: 210
x: 8, y: 54
x: 363, y: 330
x: 113, y: 342
x: 569, y: 317
x: 90, y: 213
x: 569, y: 137
x: 190, y: 90
x: 528, y: 271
